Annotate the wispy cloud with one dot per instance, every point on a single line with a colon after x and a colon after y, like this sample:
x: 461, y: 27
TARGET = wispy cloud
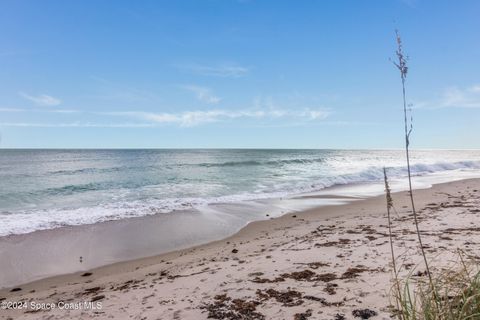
x: 63, y: 111
x: 76, y: 125
x: 262, y: 111
x: 42, y: 100
x: 461, y: 97
x: 263, y: 108
x: 268, y: 103
x: 224, y: 70
x: 193, y: 118
x: 453, y: 97
x: 11, y: 110
x: 203, y: 94
x: 40, y: 110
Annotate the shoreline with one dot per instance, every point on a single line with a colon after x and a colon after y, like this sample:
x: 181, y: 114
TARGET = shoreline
x: 80, y: 248
x: 251, y: 241
x: 72, y: 249
x: 74, y: 237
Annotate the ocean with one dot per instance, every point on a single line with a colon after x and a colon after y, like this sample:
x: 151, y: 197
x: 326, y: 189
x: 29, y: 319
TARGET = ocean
x: 45, y: 189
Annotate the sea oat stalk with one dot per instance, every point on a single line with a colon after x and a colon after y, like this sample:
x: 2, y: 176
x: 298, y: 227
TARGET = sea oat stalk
x: 403, y: 68
x: 388, y: 196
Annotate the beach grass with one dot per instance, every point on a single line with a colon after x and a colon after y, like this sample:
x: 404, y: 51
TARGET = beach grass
x: 449, y: 294
x: 455, y: 295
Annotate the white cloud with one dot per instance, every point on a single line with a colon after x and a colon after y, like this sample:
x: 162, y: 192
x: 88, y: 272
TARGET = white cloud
x: 63, y: 111
x: 203, y: 94
x: 193, y: 118
x: 11, y: 110
x: 461, y: 98
x: 42, y: 100
x: 263, y: 110
x: 224, y: 71
x: 76, y: 125
x: 40, y: 110
x: 453, y: 97
x: 267, y: 103
x: 315, y: 114
x: 475, y: 88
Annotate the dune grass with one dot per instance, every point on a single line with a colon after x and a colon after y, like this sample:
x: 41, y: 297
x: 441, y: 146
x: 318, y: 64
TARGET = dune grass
x: 452, y: 294
x: 456, y: 296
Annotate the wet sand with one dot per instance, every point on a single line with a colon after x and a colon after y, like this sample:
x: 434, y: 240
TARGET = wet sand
x: 79, y: 248
x: 322, y: 263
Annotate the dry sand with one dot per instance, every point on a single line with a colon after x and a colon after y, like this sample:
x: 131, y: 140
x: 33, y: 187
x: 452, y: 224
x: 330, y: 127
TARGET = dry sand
x: 319, y: 264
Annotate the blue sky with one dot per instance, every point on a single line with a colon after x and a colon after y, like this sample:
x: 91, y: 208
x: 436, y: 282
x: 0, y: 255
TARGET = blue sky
x: 237, y: 73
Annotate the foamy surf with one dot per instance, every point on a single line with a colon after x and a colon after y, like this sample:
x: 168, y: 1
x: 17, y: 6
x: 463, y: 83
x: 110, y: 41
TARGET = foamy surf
x: 50, y: 189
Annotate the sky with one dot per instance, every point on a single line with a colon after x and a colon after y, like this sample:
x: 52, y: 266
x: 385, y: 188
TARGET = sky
x: 237, y: 74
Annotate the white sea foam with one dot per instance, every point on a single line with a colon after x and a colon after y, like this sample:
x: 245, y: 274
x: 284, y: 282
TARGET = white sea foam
x: 29, y: 220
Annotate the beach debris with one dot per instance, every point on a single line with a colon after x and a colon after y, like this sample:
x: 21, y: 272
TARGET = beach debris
x: 133, y: 284
x: 87, y: 274
x: 292, y: 298
x: 324, y: 301
x: 308, y: 275
x: 420, y: 273
x: 226, y: 308
x: 234, y: 251
x: 326, y: 277
x: 333, y: 243
x: 305, y: 275
x: 265, y: 280
x: 99, y: 297
x: 16, y: 289
x: 313, y: 298
x: 364, y: 313
x: 330, y: 288
x: 255, y: 274
x: 289, y: 298
x: 353, y: 272
x: 303, y: 316
x: 339, y: 316
x: 92, y: 290
x: 314, y: 265
x: 89, y: 291
x: 207, y: 269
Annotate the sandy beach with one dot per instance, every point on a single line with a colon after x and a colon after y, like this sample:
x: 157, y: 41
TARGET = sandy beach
x: 239, y: 160
x: 331, y: 262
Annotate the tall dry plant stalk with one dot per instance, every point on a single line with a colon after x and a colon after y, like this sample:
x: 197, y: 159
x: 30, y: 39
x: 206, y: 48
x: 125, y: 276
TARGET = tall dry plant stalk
x: 403, y: 68
x: 388, y: 196
x: 448, y: 295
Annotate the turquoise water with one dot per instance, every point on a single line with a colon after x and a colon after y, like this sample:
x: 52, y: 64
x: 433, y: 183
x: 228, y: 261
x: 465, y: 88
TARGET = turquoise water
x: 43, y: 189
